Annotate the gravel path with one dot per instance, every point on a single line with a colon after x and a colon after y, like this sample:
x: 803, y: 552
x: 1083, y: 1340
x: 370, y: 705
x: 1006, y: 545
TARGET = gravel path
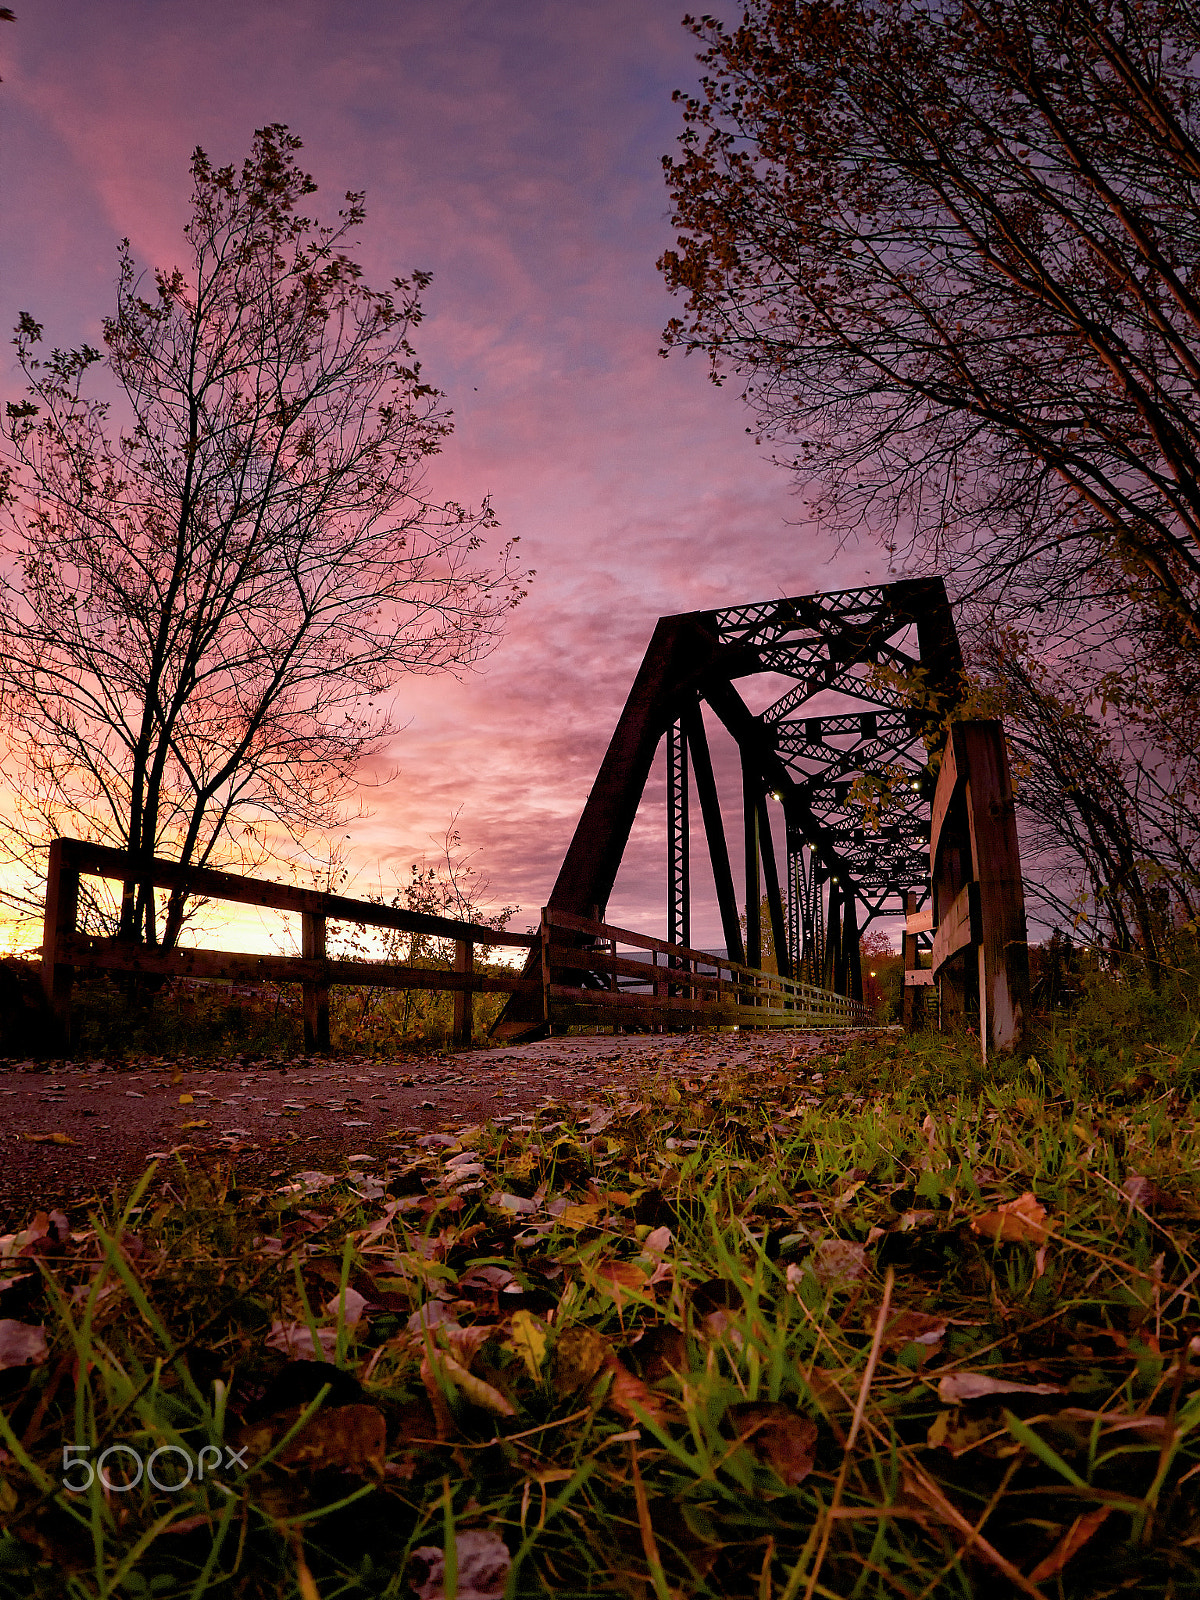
x: 70, y: 1129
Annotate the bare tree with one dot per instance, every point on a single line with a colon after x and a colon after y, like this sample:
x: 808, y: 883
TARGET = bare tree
x: 222, y: 567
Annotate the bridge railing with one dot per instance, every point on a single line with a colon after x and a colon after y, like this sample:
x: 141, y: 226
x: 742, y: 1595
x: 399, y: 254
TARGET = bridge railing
x: 582, y: 980
x: 586, y: 982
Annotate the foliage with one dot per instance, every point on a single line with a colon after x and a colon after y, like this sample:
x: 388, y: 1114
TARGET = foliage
x: 220, y: 579
x: 861, y: 1322
x: 947, y: 250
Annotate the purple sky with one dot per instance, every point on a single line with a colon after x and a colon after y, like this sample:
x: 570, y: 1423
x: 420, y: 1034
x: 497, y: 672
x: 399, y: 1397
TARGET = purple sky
x: 514, y: 150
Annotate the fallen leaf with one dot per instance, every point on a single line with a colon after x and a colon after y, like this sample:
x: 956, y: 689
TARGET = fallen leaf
x: 186, y: 1100
x: 1076, y: 1536
x: 1022, y: 1220
x: 22, y: 1344
x: 296, y: 1341
x: 630, y: 1397
x: 836, y: 1263
x: 198, y: 1122
x: 580, y: 1216
x: 453, y: 1374
x: 353, y: 1304
x: 352, y: 1438
x: 777, y: 1436
x: 616, y: 1276
x: 47, y: 1138
x: 483, y: 1564
x: 958, y: 1386
x: 528, y: 1338
x: 579, y: 1355
x: 913, y: 1327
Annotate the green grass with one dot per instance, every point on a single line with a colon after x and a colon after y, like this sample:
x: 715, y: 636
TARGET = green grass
x: 720, y: 1412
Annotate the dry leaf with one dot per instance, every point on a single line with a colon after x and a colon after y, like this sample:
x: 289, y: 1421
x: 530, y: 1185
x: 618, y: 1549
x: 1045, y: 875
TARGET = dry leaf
x: 22, y: 1344
x: 455, y: 1375
x: 778, y: 1436
x: 913, y: 1327
x: 628, y: 1392
x: 836, y: 1263
x: 352, y: 1438
x: 1022, y: 1220
x: 296, y: 1341
x: 616, y: 1276
x: 579, y: 1354
x: 47, y: 1138
x: 198, y: 1122
x: 483, y: 1562
x: 528, y: 1339
x: 353, y: 1304
x: 1076, y: 1536
x: 958, y: 1386
x: 582, y: 1216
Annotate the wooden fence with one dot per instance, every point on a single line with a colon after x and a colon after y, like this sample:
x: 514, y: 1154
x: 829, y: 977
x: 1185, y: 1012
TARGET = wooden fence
x: 675, y: 988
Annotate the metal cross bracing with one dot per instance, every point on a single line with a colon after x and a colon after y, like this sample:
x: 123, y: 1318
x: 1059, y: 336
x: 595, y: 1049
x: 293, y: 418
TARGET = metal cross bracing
x: 849, y: 723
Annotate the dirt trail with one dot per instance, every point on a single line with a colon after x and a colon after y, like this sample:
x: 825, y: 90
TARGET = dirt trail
x: 69, y: 1129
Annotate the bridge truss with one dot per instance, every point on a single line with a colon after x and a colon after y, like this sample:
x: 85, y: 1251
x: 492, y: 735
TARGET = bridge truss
x: 872, y: 673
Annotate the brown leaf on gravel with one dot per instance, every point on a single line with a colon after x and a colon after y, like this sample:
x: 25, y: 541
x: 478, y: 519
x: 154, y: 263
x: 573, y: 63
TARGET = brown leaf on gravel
x: 777, y: 1436
x: 1076, y: 1536
x: 1017, y: 1221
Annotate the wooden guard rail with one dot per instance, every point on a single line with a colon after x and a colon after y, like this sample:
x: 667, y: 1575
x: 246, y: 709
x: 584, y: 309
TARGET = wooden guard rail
x: 65, y: 951
x: 677, y: 987
x: 685, y: 988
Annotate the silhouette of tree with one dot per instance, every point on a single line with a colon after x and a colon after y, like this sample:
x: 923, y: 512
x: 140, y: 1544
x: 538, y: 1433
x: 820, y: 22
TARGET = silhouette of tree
x: 222, y: 565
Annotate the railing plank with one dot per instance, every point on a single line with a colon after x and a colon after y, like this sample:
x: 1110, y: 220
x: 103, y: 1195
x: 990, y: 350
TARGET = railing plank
x: 102, y: 861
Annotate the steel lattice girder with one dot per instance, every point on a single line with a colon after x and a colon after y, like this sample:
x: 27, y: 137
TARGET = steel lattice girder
x: 872, y: 646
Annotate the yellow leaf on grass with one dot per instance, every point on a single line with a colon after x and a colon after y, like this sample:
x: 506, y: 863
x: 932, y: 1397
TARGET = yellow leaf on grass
x: 582, y: 1216
x: 528, y: 1340
x: 1019, y: 1221
x: 48, y: 1138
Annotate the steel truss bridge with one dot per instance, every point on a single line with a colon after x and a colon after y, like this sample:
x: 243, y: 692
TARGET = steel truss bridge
x: 874, y: 673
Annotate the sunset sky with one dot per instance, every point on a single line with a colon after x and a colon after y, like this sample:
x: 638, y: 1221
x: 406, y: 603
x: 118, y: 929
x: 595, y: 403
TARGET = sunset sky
x: 514, y: 150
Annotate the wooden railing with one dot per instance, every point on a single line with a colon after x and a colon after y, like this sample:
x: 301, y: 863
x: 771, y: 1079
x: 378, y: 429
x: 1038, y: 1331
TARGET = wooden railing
x: 65, y: 951
x: 676, y: 987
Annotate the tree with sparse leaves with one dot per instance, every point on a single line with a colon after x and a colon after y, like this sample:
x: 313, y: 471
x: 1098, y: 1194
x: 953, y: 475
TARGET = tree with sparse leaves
x: 952, y: 254
x: 221, y: 564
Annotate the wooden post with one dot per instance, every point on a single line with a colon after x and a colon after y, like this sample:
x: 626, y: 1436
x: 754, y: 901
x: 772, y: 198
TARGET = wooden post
x: 464, y: 1000
x: 545, y: 968
x: 753, y: 892
x: 62, y: 910
x: 1003, y: 949
x: 316, y: 994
